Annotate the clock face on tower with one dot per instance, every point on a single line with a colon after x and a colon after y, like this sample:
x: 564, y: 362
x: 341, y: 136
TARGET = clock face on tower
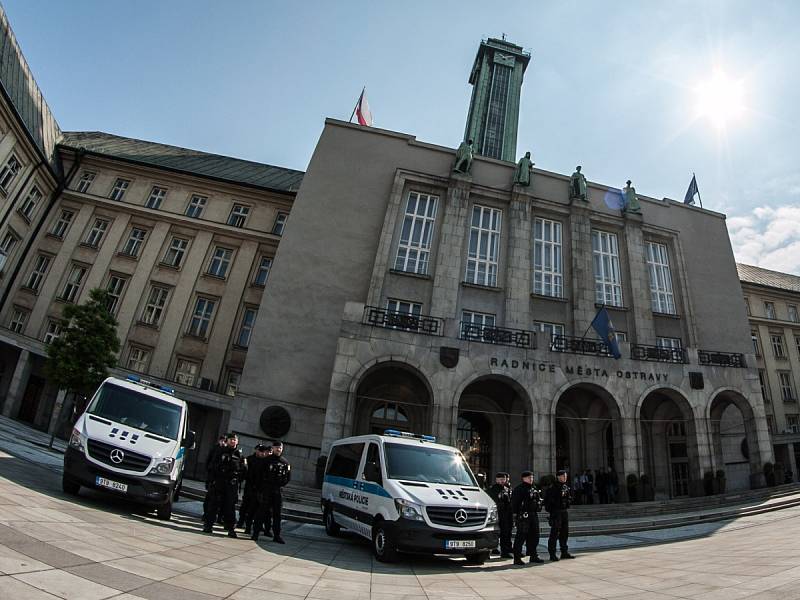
x: 504, y: 59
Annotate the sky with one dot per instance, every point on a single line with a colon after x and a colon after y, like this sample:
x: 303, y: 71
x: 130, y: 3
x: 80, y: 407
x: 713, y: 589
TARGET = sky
x: 613, y: 86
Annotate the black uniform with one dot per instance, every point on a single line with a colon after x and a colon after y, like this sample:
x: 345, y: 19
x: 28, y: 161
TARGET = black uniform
x: 557, y: 500
x: 249, y: 501
x: 276, y: 473
x: 216, y: 449
x: 226, y: 471
x: 501, y: 494
x: 526, y: 502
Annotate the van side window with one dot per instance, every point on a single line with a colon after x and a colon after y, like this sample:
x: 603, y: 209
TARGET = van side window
x: 344, y: 460
x: 372, y: 466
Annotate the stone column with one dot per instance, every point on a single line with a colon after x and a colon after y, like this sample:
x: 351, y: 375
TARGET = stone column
x: 705, y: 455
x: 582, y: 292
x: 518, y: 262
x: 640, y: 302
x: 792, y: 462
x: 543, y: 445
x: 58, y: 408
x: 630, y: 456
x: 19, y: 381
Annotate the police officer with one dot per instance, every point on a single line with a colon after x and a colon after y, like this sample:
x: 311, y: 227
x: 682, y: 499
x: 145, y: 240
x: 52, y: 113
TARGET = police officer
x: 277, y: 473
x: 557, y: 500
x: 526, y: 502
x: 500, y: 492
x: 226, y: 471
x: 249, y: 504
x: 209, y: 460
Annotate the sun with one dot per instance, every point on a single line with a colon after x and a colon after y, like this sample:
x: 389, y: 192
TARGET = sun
x: 720, y: 99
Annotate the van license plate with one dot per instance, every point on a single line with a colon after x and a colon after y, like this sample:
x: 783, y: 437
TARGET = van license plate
x: 454, y: 544
x: 112, y: 485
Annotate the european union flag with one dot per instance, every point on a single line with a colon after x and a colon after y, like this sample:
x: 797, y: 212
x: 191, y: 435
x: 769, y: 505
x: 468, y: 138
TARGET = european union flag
x: 605, y: 329
x: 692, y: 191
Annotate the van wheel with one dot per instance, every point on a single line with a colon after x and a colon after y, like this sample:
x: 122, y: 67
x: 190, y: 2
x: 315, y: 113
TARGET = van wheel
x: 331, y: 526
x: 164, y: 511
x: 383, y: 546
x: 70, y: 486
x: 477, y: 558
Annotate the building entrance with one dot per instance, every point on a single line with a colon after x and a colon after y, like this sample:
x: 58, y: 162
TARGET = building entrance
x: 392, y: 396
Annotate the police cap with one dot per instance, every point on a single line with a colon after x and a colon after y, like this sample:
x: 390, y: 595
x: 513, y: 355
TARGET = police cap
x: 231, y: 436
x: 562, y: 472
x: 261, y: 448
x: 277, y: 444
x: 527, y: 474
x: 500, y: 474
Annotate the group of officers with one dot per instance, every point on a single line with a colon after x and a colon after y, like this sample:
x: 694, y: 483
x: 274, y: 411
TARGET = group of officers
x: 521, y: 507
x: 264, y: 473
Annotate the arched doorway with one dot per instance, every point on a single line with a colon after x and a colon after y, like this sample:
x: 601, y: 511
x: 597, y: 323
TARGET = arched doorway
x: 493, y: 427
x: 392, y: 396
x: 733, y: 434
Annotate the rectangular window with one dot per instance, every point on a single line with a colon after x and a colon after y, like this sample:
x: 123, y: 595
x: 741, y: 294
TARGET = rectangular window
x: 778, y: 349
x: 19, y: 317
x: 74, y: 282
x: 115, y: 287
x: 186, y: 372
x: 238, y: 215
x: 29, y: 205
x: 621, y: 336
x: 661, y: 296
x: 220, y: 262
x: 607, y: 278
x: 134, y: 242
x: 264, y: 265
x: 669, y: 342
x: 769, y: 309
x: 196, y: 206
x: 157, y: 195
x: 793, y: 421
x: 246, y: 329
x: 119, y: 189
x: 154, y: 308
x: 232, y: 385
x: 61, y: 226
x: 53, y: 331
x: 9, y: 172
x: 414, y: 249
x: 201, y: 318
x: 787, y: 386
x: 280, y: 223
x: 797, y: 344
x: 38, y: 272
x: 484, y: 246
x: 403, y: 307
x: 793, y: 317
x: 472, y: 324
x: 547, y: 331
x: 756, y: 345
x: 344, y: 460
x: 548, y: 269
x: 7, y: 245
x: 138, y: 359
x: 176, y: 252
x: 96, y: 233
x: 762, y: 379
x: 85, y: 182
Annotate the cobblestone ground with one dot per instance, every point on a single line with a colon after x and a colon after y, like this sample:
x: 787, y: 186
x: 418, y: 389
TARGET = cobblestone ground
x: 54, y: 546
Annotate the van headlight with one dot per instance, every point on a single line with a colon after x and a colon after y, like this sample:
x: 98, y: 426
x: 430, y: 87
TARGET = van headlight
x: 76, y: 440
x: 493, y: 514
x: 408, y: 510
x: 164, y: 466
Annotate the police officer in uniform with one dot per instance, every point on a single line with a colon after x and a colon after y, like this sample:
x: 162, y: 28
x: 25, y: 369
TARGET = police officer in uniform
x: 557, y: 500
x: 225, y: 472
x: 526, y: 502
x: 249, y: 504
x: 500, y: 492
x: 277, y: 473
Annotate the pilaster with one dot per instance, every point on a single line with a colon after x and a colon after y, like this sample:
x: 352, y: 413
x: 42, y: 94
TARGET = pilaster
x: 518, y: 267
x: 582, y: 296
x: 19, y: 381
x: 639, y: 302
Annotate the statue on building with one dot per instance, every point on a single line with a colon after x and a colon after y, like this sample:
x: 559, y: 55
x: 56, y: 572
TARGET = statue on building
x: 630, y: 201
x: 464, y: 158
x: 522, y: 175
x: 577, y: 185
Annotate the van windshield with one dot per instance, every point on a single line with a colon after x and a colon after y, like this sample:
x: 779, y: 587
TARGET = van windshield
x: 137, y: 410
x: 431, y: 465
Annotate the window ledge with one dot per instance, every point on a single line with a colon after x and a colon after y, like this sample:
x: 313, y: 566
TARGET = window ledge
x: 128, y: 256
x: 88, y: 245
x: 153, y: 326
x: 54, y: 236
x: 666, y: 315
x: 24, y: 217
x: 63, y: 300
x: 193, y: 336
x: 29, y: 290
x: 611, y: 307
x: 259, y: 286
x: 166, y: 265
x: 410, y: 274
x: 212, y: 276
x: 478, y: 286
x: 546, y: 297
x: 240, y: 348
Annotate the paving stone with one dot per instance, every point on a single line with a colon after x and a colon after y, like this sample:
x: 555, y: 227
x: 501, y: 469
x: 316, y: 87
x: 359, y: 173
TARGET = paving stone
x: 19, y: 590
x: 109, y: 576
x: 163, y: 591
x: 66, y: 585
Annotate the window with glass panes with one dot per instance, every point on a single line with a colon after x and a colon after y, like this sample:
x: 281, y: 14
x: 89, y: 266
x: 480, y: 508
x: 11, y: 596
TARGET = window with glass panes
x: 669, y: 342
x: 778, y: 348
x: 96, y: 233
x: 38, y: 272
x: 607, y: 278
x: 154, y: 307
x: 246, y: 328
x: 61, y: 226
x: 186, y: 371
x: 220, y: 262
x: 232, y: 385
x: 472, y: 324
x: 85, y: 182
x: 280, y: 223
x: 262, y: 273
x: 238, y: 215
x: 797, y: 343
x: 9, y: 241
x: 53, y: 331
x: 31, y: 201
x: 119, y: 189
x: 793, y: 420
x: 787, y: 386
x: 156, y: 197
x: 548, y: 331
x: 201, y: 317
x: 793, y: 317
x: 73, y: 284
x: 19, y: 317
x: 138, y: 359
x: 769, y: 310
x: 662, y: 299
x: 134, y: 242
x: 621, y: 336
x: 548, y: 275
x: 762, y: 379
x: 414, y: 248
x: 9, y: 172
x: 756, y: 345
x: 404, y: 307
x: 196, y: 205
x: 175, y: 252
x: 115, y: 287
x: 484, y: 246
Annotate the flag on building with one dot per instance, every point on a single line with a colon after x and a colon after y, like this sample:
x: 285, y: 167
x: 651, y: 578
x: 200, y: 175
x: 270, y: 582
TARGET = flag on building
x: 605, y: 329
x: 362, y: 111
x: 692, y: 191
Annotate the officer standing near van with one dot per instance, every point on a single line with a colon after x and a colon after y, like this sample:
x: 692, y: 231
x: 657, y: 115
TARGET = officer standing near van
x: 225, y: 472
x: 255, y: 467
x: 500, y: 492
x: 277, y: 473
x: 526, y: 502
x: 557, y: 501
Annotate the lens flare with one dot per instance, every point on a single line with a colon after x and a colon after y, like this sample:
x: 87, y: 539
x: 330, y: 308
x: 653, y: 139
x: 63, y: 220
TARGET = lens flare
x: 720, y: 99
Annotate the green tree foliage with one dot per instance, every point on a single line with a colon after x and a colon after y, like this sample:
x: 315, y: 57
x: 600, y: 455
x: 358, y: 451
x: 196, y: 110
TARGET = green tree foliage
x: 81, y: 356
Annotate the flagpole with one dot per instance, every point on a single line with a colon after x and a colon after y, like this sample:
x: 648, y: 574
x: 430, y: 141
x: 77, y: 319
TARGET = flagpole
x: 698, y: 190
x: 357, y: 103
x: 592, y: 321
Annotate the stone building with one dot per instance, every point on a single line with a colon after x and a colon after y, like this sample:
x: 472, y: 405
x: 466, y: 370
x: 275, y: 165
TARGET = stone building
x: 772, y: 300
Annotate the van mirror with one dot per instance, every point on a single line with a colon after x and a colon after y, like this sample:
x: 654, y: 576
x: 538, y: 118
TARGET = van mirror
x: 372, y: 472
x: 188, y: 440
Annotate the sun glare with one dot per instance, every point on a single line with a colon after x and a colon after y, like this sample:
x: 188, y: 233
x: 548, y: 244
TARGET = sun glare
x: 720, y: 99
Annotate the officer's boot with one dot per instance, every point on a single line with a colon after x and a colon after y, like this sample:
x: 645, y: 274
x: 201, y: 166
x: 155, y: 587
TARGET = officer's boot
x: 553, y: 557
x: 518, y: 560
x: 232, y: 533
x: 535, y: 559
x: 208, y: 528
x: 565, y: 554
x: 278, y: 539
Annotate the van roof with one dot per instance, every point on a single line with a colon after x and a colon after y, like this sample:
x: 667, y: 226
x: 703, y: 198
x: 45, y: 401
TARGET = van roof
x: 409, y: 441
x: 144, y: 389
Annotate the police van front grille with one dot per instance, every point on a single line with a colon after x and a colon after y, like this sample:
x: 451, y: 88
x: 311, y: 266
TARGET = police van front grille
x: 131, y: 461
x: 446, y: 515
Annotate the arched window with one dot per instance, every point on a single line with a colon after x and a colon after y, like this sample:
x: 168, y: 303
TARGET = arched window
x: 388, y: 415
x: 474, y: 440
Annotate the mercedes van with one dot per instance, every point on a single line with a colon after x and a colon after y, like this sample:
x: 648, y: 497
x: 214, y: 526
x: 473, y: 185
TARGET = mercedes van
x: 406, y: 493
x: 131, y: 441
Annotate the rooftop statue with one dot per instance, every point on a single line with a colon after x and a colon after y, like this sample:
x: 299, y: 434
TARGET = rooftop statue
x: 464, y: 158
x: 522, y: 176
x: 631, y: 202
x: 577, y: 185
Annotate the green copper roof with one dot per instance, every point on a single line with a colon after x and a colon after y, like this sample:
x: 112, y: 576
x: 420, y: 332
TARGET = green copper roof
x: 194, y: 162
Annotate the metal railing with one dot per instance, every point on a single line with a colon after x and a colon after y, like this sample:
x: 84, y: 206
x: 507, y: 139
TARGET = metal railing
x: 424, y: 324
x: 721, y: 359
x: 503, y: 336
x: 659, y: 354
x: 578, y: 345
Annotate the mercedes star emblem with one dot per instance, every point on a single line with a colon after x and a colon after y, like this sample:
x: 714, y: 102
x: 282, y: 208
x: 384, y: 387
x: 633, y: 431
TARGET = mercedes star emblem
x: 117, y: 455
x: 461, y: 516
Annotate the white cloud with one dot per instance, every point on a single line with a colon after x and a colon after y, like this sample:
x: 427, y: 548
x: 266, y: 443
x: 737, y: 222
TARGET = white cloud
x: 768, y: 238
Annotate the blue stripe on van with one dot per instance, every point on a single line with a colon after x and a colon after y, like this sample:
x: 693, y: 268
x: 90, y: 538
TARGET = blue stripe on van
x: 363, y: 486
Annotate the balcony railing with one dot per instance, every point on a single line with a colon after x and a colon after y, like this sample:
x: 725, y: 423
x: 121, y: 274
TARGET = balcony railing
x: 659, y: 354
x: 578, y: 345
x: 720, y: 359
x: 503, y: 336
x: 424, y: 324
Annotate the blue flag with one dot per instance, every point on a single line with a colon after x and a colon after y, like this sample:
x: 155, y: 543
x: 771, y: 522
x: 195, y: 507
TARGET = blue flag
x: 690, y: 193
x: 605, y: 329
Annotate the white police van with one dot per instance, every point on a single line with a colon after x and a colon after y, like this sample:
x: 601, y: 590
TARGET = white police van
x: 132, y: 441
x: 406, y: 493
